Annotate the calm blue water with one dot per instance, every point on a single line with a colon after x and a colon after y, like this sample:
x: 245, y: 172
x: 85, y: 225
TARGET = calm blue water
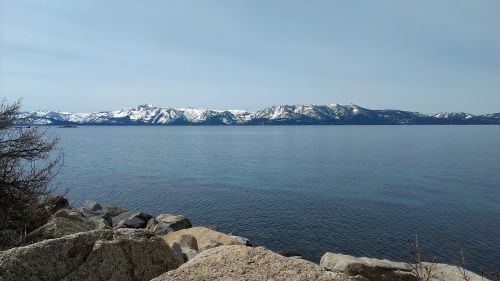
x: 360, y: 190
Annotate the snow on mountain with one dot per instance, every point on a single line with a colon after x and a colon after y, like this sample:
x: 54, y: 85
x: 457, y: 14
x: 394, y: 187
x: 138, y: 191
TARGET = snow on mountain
x: 454, y: 115
x: 142, y: 114
x: 274, y: 115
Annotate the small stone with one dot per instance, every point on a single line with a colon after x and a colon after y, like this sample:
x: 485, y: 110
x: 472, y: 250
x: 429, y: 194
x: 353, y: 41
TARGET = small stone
x: 131, y: 219
x: 132, y: 222
x: 177, y: 222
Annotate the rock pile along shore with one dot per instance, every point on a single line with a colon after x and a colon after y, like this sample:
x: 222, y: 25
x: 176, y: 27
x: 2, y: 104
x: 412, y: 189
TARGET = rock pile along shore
x: 111, y: 243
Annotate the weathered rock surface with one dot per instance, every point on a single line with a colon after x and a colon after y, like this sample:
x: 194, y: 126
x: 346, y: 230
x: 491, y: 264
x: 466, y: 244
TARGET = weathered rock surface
x: 189, y: 254
x: 152, y: 222
x: 131, y: 219
x: 376, y: 269
x: 372, y: 269
x: 121, y: 255
x: 188, y: 241
x: 237, y: 262
x: 188, y: 246
x: 178, y: 251
x: 177, y: 222
x: 62, y: 223
x: 206, y: 238
x: 159, y: 228
x: 211, y: 244
x: 446, y: 272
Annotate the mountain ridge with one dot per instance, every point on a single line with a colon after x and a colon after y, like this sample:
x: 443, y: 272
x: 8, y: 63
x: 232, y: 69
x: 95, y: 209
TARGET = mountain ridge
x: 331, y: 114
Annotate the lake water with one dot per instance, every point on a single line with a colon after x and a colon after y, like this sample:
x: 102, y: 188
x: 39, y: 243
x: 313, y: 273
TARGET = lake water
x: 359, y: 190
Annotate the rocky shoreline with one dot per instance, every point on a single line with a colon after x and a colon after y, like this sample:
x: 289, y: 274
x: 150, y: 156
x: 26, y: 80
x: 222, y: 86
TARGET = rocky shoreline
x: 111, y: 243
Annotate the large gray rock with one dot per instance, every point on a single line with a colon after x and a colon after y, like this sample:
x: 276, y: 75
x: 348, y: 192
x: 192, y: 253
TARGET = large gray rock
x: 98, y: 255
x: 178, y: 251
x: 188, y: 246
x: 176, y: 222
x: 159, y: 227
x: 446, y: 272
x: 245, y: 263
x: 62, y: 223
x: 206, y: 238
x: 131, y: 219
x: 372, y: 269
x: 376, y: 269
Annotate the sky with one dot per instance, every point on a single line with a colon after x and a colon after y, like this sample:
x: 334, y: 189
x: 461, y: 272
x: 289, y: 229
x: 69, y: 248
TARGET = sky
x: 84, y: 56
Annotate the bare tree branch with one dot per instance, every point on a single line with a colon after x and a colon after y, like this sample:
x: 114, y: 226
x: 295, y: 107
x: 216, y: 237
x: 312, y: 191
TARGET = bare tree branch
x: 29, y: 160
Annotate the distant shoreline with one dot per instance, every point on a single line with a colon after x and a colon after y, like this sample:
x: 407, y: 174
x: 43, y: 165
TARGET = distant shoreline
x: 332, y: 114
x: 62, y: 126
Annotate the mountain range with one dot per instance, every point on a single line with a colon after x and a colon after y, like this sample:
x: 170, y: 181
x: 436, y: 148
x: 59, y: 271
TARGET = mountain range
x: 332, y: 114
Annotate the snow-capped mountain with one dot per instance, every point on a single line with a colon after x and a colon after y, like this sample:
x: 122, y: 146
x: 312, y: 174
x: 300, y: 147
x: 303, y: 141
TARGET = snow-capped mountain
x: 274, y: 115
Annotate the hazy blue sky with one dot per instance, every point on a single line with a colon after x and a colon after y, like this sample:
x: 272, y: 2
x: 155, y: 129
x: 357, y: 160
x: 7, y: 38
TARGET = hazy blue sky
x: 425, y: 56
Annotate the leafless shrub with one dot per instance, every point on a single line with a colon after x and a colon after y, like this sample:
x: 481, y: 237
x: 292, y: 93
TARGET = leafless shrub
x: 423, y: 272
x: 485, y: 275
x: 492, y: 274
x: 461, y: 267
x: 27, y: 165
x: 427, y: 271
